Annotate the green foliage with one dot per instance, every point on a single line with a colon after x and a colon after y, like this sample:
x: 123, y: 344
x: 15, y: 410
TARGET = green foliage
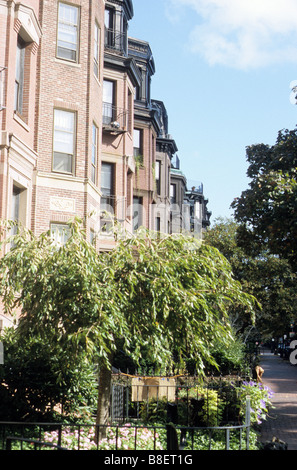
x: 267, y: 277
x: 212, y: 406
x: 163, y: 295
x: 260, y: 400
x: 195, y: 406
x: 267, y: 210
x: 37, y: 379
x: 182, y: 288
x: 154, y: 411
x: 217, y: 441
x: 231, y: 358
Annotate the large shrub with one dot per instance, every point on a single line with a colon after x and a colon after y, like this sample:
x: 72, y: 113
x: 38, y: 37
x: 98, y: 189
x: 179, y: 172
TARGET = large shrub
x: 39, y: 382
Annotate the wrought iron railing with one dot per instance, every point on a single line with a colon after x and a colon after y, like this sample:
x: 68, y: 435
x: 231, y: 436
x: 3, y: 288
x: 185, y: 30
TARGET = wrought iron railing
x: 115, y: 41
x: 22, y: 436
x: 114, y: 119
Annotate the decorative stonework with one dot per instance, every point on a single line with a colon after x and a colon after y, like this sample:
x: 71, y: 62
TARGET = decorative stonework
x: 27, y: 24
x: 62, y: 204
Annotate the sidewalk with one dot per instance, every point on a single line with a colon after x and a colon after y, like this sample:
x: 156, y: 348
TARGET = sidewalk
x: 281, y: 377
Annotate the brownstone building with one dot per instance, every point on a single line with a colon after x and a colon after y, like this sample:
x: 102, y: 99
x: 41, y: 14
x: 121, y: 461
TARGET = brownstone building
x: 80, y: 134
x: 166, y: 149
x: 20, y: 39
x: 146, y: 130
x: 51, y: 67
x: 68, y: 115
x: 121, y: 77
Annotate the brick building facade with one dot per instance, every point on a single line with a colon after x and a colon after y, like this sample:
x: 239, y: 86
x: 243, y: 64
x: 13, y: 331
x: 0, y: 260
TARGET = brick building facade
x: 80, y: 134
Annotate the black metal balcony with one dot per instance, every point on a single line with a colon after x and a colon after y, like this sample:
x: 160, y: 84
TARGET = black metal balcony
x: 115, y: 41
x: 114, y: 119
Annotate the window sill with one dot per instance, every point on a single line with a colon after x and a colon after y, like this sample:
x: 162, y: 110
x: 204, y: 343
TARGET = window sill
x: 67, y: 62
x: 18, y: 118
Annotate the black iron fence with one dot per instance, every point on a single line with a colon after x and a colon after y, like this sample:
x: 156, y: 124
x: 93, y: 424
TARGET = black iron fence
x: 148, y: 413
x: 163, y: 399
x: 46, y: 436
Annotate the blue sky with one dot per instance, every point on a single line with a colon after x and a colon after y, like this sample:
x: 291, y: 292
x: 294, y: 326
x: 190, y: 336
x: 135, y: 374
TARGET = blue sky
x: 223, y: 70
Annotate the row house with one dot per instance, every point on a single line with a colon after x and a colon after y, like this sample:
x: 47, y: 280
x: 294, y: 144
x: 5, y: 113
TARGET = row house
x: 21, y: 34
x: 198, y: 215
x: 51, y: 67
x: 189, y: 211
x: 68, y: 114
x: 121, y: 77
x: 52, y: 118
x: 146, y: 130
x: 166, y: 149
x: 80, y: 134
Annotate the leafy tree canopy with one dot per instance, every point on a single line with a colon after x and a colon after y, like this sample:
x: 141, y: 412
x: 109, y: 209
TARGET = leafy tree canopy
x: 266, y: 276
x: 267, y: 211
x: 167, y: 295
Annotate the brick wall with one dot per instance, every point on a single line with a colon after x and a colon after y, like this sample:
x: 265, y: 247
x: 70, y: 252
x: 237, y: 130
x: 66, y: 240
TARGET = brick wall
x: 71, y: 87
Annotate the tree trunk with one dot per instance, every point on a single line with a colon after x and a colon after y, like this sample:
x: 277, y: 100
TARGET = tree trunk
x: 103, y: 402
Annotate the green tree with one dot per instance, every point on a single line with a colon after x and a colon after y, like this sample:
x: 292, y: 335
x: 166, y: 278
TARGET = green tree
x: 267, y: 211
x: 37, y: 379
x: 165, y: 295
x: 266, y: 276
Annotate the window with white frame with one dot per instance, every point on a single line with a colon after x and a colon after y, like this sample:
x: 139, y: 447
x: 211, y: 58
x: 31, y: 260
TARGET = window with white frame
x: 18, y: 207
x: 137, y: 212
x: 60, y: 233
x: 107, y: 187
x: 68, y: 32
x: 96, y: 50
x: 15, y: 208
x: 137, y: 142
x: 108, y: 101
x: 64, y: 141
x: 158, y: 176
x: 94, y: 153
x: 173, y: 193
x: 19, y: 204
x: 19, y: 76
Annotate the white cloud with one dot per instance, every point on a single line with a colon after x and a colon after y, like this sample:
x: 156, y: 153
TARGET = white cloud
x: 242, y: 33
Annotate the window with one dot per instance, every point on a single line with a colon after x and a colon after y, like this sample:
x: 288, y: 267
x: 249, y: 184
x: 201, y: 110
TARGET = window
x: 107, y: 186
x: 96, y: 50
x: 19, y: 76
x: 108, y: 102
x: 137, y: 212
x: 60, y: 233
x: 64, y: 129
x: 172, y: 193
x: 158, y: 224
x: 15, y: 208
x: 109, y: 27
x: 158, y: 176
x: 92, y: 237
x: 130, y: 112
x: 137, y: 142
x: 18, y: 207
x: 94, y: 153
x: 68, y: 32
